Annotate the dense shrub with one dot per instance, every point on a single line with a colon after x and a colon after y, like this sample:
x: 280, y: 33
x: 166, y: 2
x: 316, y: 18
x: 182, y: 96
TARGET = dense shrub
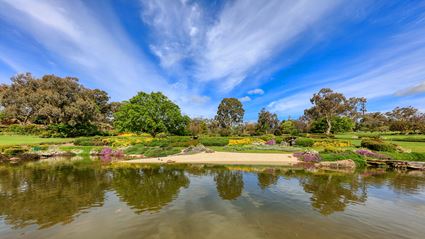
x: 31, y: 129
x: 94, y: 141
x: 66, y: 131
x: 378, y: 145
x: 214, y: 141
x: 304, y: 142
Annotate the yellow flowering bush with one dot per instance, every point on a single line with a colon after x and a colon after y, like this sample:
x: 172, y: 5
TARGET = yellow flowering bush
x: 244, y: 141
x: 332, y: 143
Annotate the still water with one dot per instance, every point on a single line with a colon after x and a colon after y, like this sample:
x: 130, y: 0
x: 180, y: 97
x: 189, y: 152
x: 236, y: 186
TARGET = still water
x: 91, y: 200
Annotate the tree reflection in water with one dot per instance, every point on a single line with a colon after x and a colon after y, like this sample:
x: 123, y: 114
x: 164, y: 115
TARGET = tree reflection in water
x: 148, y: 188
x: 229, y: 184
x: 266, y: 179
x: 332, y: 193
x: 47, y: 196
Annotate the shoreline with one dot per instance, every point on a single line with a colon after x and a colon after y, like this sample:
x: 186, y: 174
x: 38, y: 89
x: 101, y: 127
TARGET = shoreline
x: 229, y: 158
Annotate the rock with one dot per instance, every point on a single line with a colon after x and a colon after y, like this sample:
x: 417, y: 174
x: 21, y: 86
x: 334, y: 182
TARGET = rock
x: 341, y: 164
x: 170, y: 161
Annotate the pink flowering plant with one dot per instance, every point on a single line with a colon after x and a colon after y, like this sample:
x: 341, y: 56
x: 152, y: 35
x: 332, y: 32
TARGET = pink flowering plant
x: 308, y: 156
x: 271, y: 142
x: 370, y: 154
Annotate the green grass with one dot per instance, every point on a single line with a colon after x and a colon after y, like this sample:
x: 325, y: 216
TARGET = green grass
x: 26, y: 139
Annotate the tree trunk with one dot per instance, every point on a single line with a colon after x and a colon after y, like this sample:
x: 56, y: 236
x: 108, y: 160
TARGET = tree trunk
x: 328, y: 130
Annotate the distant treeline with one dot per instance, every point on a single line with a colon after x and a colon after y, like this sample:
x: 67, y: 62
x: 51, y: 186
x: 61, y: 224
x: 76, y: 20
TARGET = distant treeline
x: 54, y: 106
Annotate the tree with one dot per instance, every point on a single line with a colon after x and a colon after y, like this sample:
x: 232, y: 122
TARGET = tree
x: 328, y: 104
x: 198, y: 126
x: 152, y: 113
x: 289, y: 127
x: 404, y: 119
x: 267, y: 122
x: 374, y: 122
x: 229, y: 113
x: 53, y: 100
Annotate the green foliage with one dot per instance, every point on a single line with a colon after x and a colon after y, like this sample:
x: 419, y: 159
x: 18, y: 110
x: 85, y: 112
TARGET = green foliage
x: 53, y: 100
x: 66, y: 130
x: 339, y: 125
x: 152, y: 113
x: 14, y: 150
x: 378, y: 145
x: 328, y: 104
x: 267, y: 137
x: 414, y: 156
x: 93, y: 141
x: 214, y: 141
x: 31, y: 129
x: 267, y: 122
x: 151, y: 151
x: 304, y: 142
x: 289, y: 127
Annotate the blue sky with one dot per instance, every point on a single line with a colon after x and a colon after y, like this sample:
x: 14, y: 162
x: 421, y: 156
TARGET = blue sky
x: 268, y: 53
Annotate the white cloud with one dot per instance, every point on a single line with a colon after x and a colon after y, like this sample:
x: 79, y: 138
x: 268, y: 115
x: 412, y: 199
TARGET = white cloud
x: 245, y: 99
x: 256, y: 92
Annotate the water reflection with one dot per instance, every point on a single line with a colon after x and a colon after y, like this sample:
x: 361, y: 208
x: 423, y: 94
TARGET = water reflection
x: 148, y: 188
x: 229, y: 184
x: 332, y: 193
x: 48, y: 195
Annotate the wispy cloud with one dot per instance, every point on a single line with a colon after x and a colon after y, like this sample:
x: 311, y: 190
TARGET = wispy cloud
x: 417, y: 89
x: 256, y: 92
x: 245, y: 99
x: 227, y: 49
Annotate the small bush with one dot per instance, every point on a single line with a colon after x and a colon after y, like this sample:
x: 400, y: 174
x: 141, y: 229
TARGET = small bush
x: 378, y: 145
x: 214, y: 141
x: 304, y: 142
x: 267, y: 137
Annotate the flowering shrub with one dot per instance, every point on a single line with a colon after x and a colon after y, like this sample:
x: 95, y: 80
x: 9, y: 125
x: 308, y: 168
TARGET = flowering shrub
x: 367, y: 153
x: 271, y: 142
x: 244, y: 141
x: 308, y: 156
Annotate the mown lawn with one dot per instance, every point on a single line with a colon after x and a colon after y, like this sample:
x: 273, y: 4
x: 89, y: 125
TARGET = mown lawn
x: 26, y: 139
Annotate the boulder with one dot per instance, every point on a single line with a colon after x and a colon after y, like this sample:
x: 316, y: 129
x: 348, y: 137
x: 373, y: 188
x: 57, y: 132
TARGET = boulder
x: 340, y: 164
x: 197, y: 149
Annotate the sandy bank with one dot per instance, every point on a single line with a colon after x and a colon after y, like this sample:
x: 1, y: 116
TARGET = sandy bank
x: 224, y: 158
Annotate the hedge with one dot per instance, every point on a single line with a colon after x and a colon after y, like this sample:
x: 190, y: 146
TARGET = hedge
x: 378, y: 145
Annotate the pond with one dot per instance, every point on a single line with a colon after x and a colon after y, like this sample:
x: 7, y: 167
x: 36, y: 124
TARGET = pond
x: 86, y: 199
